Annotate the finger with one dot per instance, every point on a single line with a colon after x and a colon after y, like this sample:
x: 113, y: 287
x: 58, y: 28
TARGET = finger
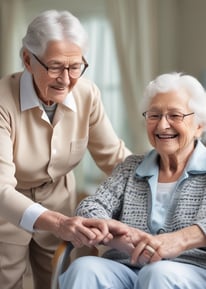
x: 85, y: 233
x: 100, y: 238
x: 107, y: 239
x: 146, y: 255
x: 156, y: 257
x: 137, y: 252
x: 118, y: 228
x: 96, y: 223
x: 149, y: 250
x: 143, y: 254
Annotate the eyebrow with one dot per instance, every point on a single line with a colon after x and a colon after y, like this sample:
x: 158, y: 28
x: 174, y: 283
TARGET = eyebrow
x: 52, y: 62
x: 155, y: 108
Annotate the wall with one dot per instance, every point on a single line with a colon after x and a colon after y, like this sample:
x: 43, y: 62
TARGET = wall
x: 192, y: 37
x: 181, y: 31
x: 182, y: 25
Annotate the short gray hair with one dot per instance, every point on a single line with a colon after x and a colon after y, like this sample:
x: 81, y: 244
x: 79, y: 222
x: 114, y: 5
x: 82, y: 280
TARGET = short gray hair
x: 173, y: 82
x: 54, y: 25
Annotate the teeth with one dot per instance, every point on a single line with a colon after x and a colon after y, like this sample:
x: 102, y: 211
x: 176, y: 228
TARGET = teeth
x: 166, y: 136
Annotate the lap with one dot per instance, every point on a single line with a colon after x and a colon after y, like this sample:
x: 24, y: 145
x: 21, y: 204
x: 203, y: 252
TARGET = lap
x: 99, y: 273
x: 171, y: 275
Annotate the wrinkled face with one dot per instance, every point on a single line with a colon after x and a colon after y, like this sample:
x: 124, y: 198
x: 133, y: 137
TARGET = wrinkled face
x: 58, y: 53
x: 171, y: 137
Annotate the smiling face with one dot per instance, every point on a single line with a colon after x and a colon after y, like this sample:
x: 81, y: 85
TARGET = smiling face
x: 58, y: 53
x: 172, y: 138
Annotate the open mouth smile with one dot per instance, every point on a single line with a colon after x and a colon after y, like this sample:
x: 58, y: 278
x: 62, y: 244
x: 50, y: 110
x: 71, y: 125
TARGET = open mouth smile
x: 166, y: 136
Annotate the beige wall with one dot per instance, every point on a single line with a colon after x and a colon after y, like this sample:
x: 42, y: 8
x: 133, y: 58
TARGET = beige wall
x: 181, y: 31
x: 192, y: 36
x: 183, y: 36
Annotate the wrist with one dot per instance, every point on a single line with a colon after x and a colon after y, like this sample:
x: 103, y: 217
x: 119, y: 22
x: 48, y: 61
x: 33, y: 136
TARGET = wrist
x: 193, y: 237
x: 49, y: 221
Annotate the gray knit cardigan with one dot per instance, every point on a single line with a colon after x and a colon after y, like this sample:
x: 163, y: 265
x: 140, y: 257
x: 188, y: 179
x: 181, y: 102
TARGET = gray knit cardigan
x: 126, y: 196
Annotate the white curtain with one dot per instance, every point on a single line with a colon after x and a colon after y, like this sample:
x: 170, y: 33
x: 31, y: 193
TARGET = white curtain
x: 104, y: 71
x: 136, y: 45
x: 11, y: 31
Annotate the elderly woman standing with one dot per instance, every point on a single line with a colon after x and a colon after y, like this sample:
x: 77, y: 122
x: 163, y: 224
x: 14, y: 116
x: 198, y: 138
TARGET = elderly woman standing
x: 160, y: 196
x: 49, y: 116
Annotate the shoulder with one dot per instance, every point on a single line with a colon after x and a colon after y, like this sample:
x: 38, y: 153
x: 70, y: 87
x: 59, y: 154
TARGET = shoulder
x: 10, y: 91
x: 9, y: 80
x: 130, y: 163
x: 87, y: 96
x: 85, y: 85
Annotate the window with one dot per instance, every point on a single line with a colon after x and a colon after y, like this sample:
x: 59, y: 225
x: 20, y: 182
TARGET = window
x: 103, y: 70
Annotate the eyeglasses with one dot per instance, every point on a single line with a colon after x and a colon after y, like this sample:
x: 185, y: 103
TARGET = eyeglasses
x: 75, y: 71
x: 171, y: 117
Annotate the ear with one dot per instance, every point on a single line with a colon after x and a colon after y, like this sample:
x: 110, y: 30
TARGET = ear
x: 199, y: 130
x: 27, y: 60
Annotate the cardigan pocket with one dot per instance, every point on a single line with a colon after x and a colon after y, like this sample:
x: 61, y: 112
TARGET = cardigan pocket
x: 77, y: 151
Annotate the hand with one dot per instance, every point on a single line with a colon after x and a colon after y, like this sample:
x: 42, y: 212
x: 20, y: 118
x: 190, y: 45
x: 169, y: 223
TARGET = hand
x: 83, y: 231
x: 80, y: 231
x: 158, y: 247
x: 117, y: 228
x: 150, y: 248
x: 121, y: 236
x: 145, y: 247
x: 121, y: 243
x: 174, y: 243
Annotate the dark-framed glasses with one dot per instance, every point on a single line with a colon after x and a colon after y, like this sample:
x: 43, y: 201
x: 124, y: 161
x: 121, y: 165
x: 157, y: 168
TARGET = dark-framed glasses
x: 75, y: 70
x: 171, y: 117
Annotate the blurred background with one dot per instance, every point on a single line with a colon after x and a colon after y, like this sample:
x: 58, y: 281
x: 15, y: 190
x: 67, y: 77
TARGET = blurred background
x: 131, y: 42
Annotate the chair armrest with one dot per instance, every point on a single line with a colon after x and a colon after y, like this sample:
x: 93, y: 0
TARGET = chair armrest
x: 63, y: 257
x: 59, y: 261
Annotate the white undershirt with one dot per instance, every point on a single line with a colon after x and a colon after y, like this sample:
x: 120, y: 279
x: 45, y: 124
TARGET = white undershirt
x: 162, y: 202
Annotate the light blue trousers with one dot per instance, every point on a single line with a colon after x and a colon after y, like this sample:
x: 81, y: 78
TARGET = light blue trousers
x: 99, y: 273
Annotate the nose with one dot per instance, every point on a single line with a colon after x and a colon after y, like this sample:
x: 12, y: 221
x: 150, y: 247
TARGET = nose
x: 64, y: 77
x: 163, y: 122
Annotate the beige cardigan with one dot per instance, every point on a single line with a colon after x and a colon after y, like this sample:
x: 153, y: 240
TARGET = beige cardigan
x: 37, y: 158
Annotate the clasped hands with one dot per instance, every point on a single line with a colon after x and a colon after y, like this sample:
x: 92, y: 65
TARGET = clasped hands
x: 143, y: 248
x: 140, y: 246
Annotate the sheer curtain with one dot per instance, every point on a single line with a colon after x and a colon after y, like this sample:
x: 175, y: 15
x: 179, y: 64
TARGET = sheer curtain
x: 137, y: 51
x: 12, y: 19
x: 104, y: 71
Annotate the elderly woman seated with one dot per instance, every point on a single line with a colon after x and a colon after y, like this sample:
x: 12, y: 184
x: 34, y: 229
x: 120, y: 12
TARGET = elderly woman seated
x: 158, y: 198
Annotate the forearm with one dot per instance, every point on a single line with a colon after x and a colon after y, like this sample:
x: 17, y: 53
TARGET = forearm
x: 193, y: 237
x: 50, y: 221
x: 173, y: 244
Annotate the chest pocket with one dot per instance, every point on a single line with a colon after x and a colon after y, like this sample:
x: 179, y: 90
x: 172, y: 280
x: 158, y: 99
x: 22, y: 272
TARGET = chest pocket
x: 77, y: 151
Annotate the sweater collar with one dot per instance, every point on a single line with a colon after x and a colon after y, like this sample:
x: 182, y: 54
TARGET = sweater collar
x: 195, y: 165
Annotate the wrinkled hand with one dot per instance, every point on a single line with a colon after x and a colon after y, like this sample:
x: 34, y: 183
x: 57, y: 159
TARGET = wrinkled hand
x: 80, y: 231
x: 121, y: 236
x: 145, y: 247
x: 149, y: 248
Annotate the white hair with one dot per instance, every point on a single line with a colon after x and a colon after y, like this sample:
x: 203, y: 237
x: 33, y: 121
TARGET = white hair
x: 174, y: 82
x: 54, y: 25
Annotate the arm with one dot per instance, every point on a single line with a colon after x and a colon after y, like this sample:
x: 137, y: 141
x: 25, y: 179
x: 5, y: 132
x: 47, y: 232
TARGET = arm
x: 108, y: 199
